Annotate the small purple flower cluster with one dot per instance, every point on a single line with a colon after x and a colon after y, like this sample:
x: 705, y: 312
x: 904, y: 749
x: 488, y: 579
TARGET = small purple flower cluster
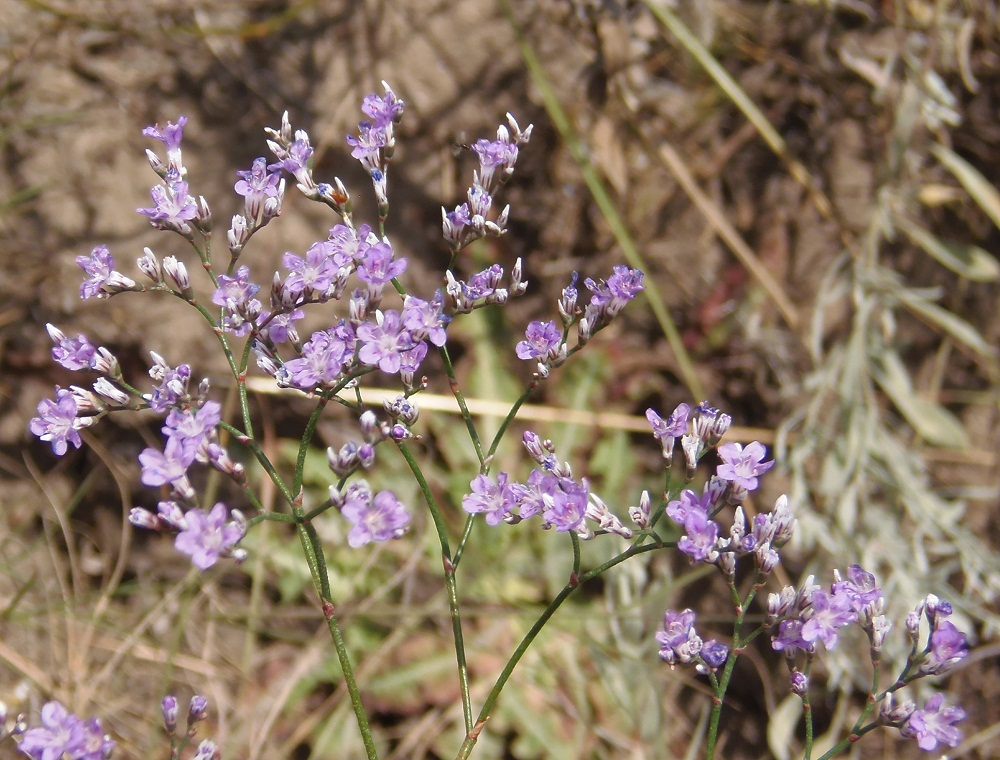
x: 813, y: 614
x: 545, y: 342
x: 550, y: 491
x: 197, y: 710
x: 64, y: 735
x: 679, y: 643
x: 469, y: 221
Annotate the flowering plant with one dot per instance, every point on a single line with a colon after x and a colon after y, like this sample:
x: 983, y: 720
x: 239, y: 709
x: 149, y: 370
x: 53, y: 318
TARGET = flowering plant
x: 387, y: 328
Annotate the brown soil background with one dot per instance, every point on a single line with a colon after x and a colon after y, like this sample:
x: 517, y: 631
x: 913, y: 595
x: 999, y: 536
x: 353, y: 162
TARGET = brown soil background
x: 80, y: 80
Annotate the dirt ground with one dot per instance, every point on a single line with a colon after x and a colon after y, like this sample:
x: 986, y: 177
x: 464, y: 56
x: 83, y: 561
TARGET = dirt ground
x: 691, y: 177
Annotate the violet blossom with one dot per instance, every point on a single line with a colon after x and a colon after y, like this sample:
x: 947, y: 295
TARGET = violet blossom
x: 64, y: 734
x: 206, y: 537
x: 541, y: 339
x: 379, y: 518
x: 494, y: 498
x: 71, y: 353
x: 934, y: 724
x: 57, y: 422
x: 383, y: 343
x: 743, y: 466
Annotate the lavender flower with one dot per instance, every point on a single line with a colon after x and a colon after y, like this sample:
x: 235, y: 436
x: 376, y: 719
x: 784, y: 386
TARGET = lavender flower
x: 714, y: 653
x: 170, y: 136
x: 687, y: 503
x: 72, y: 353
x: 383, y: 343
x: 741, y: 465
x: 424, y: 319
x: 323, y: 358
x: 710, y: 424
x: 381, y: 518
x: 377, y: 265
x: 57, y: 422
x: 673, y: 427
x: 678, y: 640
x: 294, y: 159
x: 947, y: 646
x: 207, y: 537
x: 103, y: 280
x: 496, y: 499
x: 192, y: 427
x: 610, y: 297
x: 934, y: 724
x: 279, y: 328
x: 172, y: 207
x: 566, y: 506
x: 789, y: 638
x: 700, y: 534
x: 541, y: 340
x: 62, y: 733
x: 314, y: 273
x: 256, y: 186
x: 532, y: 496
x: 170, y: 466
x: 173, y: 387
x: 826, y: 614
x: 234, y: 293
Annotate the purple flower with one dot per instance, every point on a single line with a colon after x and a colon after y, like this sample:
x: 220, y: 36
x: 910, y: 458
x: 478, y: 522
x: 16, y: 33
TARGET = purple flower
x: 496, y: 499
x: 234, y: 293
x: 860, y: 587
x: 483, y: 284
x: 610, y: 297
x: 170, y: 136
x: 173, y: 387
x: 947, y: 646
x: 295, y: 160
x: 99, y: 267
x: 366, y: 146
x: 207, y: 537
x: 64, y: 734
x: 377, y: 265
x: 933, y: 724
x: 687, y: 503
x: 531, y: 496
x: 826, y: 613
x: 258, y: 183
x: 61, y: 732
x: 172, y: 207
x: 741, y: 465
x: 493, y: 155
x: 789, y: 637
x: 678, y: 640
x: 383, y: 109
x: 313, y: 273
x: 57, y: 423
x: 323, y: 358
x: 192, y: 427
x: 700, y: 533
x: 72, y: 353
x: 383, y: 343
x: 673, y: 427
x: 541, y: 339
x: 279, y: 328
x: 566, y: 506
x: 380, y: 519
x: 714, y: 653
x: 170, y: 466
x: 425, y: 319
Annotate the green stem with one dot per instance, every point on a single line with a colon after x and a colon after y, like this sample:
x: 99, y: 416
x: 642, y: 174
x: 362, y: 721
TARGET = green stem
x: 460, y: 398
x: 574, y: 583
x: 451, y: 582
x: 719, y: 695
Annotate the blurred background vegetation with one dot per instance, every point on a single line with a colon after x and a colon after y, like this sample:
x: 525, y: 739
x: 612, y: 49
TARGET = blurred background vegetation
x: 811, y: 189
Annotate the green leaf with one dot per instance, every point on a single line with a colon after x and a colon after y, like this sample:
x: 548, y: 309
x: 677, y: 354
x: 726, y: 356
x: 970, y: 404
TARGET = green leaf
x: 969, y: 261
x: 932, y: 421
x: 975, y: 184
x: 956, y: 327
